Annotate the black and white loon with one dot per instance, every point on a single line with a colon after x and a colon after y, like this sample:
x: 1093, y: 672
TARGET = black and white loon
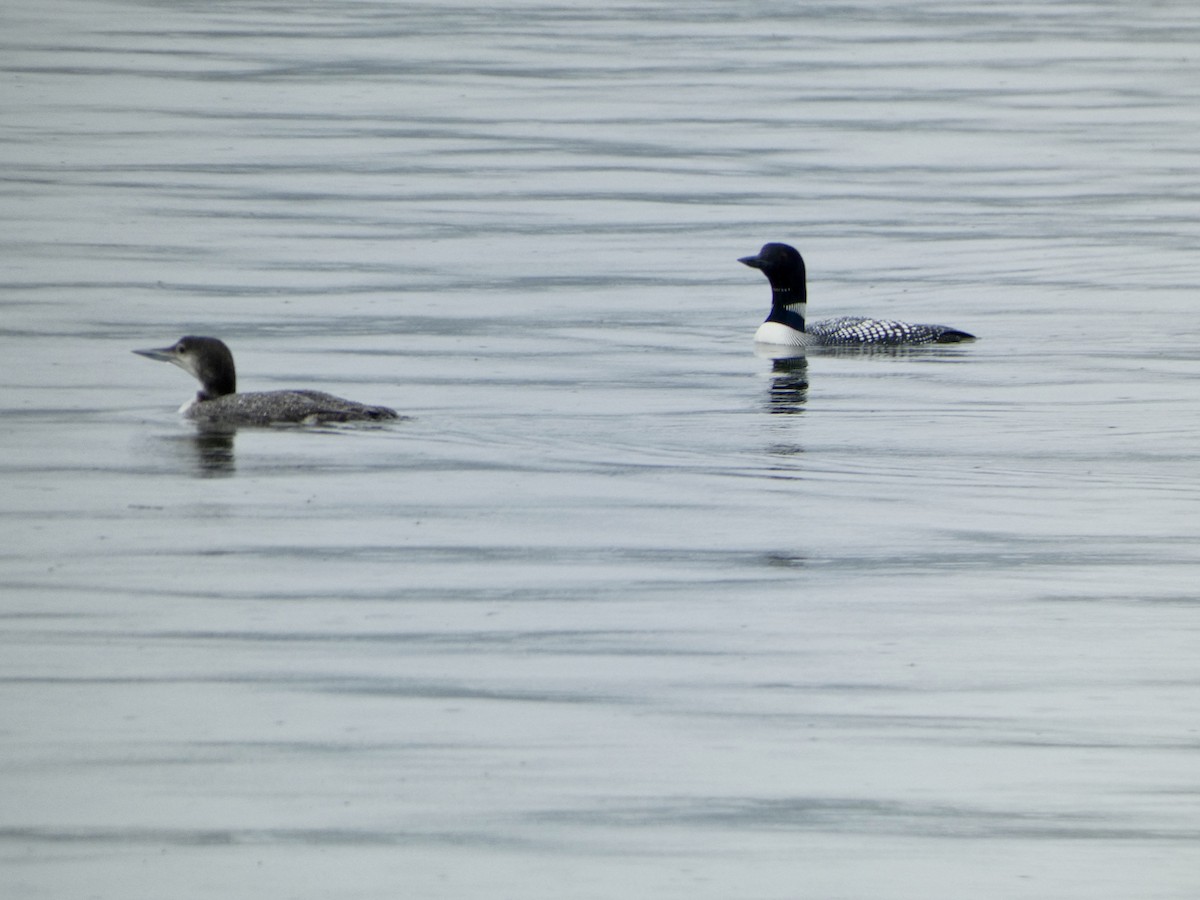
x: 218, y: 402
x: 784, y: 268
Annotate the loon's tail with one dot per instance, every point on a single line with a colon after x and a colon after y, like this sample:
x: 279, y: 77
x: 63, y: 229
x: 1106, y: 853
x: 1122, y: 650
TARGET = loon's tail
x: 954, y: 336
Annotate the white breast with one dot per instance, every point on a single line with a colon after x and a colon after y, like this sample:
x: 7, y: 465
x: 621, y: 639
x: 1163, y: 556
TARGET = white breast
x: 777, y: 333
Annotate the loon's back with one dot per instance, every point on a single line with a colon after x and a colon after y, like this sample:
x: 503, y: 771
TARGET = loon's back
x: 857, y: 330
x: 284, y: 408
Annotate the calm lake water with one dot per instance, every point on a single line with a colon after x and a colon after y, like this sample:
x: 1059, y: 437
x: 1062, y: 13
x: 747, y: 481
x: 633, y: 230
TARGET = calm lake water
x: 626, y: 610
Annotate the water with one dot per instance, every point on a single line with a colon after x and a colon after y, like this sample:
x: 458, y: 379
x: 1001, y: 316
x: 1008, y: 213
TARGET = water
x: 626, y: 610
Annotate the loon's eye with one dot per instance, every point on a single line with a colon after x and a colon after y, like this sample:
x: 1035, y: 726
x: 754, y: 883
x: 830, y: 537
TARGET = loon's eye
x: 181, y: 347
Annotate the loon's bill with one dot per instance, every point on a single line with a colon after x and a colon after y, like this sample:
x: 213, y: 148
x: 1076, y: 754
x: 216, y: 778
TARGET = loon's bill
x: 210, y: 362
x: 786, y: 325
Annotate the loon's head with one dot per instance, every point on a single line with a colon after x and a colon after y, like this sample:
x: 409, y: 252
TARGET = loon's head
x: 784, y: 267
x: 205, y: 358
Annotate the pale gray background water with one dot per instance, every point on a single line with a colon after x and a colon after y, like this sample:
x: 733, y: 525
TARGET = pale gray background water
x: 627, y: 611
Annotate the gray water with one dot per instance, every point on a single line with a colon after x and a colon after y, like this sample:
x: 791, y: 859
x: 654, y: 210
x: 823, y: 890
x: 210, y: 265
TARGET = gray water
x: 626, y: 610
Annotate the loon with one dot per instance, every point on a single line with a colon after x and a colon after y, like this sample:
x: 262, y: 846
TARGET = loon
x: 784, y: 267
x: 218, y: 403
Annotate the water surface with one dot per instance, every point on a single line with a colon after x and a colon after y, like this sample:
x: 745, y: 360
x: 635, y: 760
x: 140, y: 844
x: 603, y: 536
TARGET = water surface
x: 626, y: 609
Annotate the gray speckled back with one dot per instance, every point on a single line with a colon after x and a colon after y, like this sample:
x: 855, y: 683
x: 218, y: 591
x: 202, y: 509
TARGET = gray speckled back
x: 285, y: 407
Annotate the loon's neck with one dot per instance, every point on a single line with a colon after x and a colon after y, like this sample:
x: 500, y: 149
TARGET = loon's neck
x: 789, y: 314
x: 214, y: 369
x: 216, y: 381
x: 789, y: 298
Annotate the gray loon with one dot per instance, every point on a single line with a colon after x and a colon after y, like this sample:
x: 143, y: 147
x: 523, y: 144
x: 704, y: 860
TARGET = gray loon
x: 218, y: 402
x: 784, y: 268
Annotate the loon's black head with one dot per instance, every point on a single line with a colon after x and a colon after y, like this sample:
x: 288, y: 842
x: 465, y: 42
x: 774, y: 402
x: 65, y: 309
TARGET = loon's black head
x: 784, y: 267
x: 206, y: 358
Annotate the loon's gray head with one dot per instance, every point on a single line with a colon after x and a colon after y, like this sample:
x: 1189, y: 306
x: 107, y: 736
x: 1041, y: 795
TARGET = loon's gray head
x: 784, y: 267
x: 205, y: 358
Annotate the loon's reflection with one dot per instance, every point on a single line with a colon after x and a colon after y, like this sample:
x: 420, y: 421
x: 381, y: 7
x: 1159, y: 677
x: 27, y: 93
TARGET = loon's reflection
x: 207, y: 452
x: 214, y: 451
x: 789, y: 385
